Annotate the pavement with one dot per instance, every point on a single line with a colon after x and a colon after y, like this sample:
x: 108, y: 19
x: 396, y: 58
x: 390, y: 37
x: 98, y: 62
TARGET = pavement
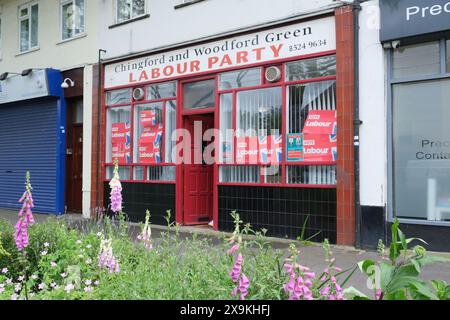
x: 311, y: 254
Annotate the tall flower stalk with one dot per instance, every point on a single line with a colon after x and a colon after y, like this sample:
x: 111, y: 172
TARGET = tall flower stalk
x: 116, y: 190
x: 146, y: 234
x: 25, y: 216
x: 106, y: 259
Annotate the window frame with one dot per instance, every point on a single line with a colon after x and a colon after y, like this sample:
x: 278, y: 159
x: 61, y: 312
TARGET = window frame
x: 133, y: 105
x: 29, y: 7
x: 117, y: 21
x: 77, y: 35
x: 391, y: 82
x: 284, y: 85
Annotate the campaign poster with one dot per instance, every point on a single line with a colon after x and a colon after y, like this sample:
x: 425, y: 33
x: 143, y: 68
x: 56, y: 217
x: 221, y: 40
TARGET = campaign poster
x: 270, y: 149
x: 148, y: 118
x: 121, y: 142
x: 247, y: 150
x: 319, y: 148
x: 294, y: 147
x: 151, y: 135
x: 321, y: 122
x: 148, y: 154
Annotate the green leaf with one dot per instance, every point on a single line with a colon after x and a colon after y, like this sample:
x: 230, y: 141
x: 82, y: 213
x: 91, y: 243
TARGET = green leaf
x: 402, y: 237
x: 424, y: 290
x: 394, y: 252
x: 430, y: 259
x: 352, y: 293
x: 387, y: 272
x: 365, y: 264
x: 416, y: 265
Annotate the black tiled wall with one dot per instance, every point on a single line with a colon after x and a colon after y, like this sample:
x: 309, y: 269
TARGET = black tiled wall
x: 138, y: 197
x: 282, y: 211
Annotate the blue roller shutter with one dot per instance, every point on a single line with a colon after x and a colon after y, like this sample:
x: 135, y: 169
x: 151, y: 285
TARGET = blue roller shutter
x: 29, y: 141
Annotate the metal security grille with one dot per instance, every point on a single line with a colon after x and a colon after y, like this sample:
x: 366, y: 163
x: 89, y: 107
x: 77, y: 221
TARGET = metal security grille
x: 28, y: 141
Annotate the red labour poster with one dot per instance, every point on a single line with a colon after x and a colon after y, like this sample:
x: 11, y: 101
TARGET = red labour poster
x: 320, y: 122
x: 121, y: 142
x: 148, y: 154
x: 247, y: 150
x: 270, y: 151
x: 319, y: 148
x: 148, y: 118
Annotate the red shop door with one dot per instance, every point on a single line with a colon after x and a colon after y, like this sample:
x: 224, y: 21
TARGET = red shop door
x: 198, y: 178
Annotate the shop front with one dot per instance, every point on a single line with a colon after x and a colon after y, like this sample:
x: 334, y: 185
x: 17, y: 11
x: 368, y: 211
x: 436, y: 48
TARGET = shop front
x: 416, y: 38
x: 258, y: 123
x: 32, y: 138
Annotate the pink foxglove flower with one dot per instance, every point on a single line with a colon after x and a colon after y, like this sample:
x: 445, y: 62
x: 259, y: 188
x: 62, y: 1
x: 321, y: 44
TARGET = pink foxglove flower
x: 25, y: 217
x: 299, y: 285
x: 106, y: 257
x: 236, y: 271
x: 116, y: 190
x: 233, y: 249
x: 244, y: 283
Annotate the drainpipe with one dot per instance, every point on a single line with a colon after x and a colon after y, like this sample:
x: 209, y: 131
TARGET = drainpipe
x: 99, y: 104
x: 357, y: 123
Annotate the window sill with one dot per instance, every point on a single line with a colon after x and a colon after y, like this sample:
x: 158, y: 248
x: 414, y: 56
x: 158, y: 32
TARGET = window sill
x: 145, y: 16
x: 182, y: 5
x: 78, y: 36
x: 28, y: 51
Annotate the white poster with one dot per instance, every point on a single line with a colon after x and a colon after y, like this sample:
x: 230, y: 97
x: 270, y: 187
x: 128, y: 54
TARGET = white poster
x: 296, y: 40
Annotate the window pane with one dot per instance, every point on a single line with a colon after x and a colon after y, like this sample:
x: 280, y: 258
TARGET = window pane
x: 170, y: 127
x: 148, y: 126
x: 118, y: 97
x: 240, y: 174
x: 79, y: 16
x: 124, y: 173
x: 67, y: 21
x: 23, y: 12
x: 118, y: 135
x: 323, y: 175
x: 24, y: 35
x: 239, y: 79
x: 306, y: 97
x: 421, y: 142
x: 138, y: 173
x: 311, y: 68
x: 200, y: 95
x: 34, y: 26
x: 123, y: 10
x: 138, y: 8
x: 162, y: 91
x: 448, y: 55
x: 226, y: 126
x: 417, y: 60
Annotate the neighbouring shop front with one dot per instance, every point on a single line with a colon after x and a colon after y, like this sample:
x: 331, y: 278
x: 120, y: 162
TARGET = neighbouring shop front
x: 416, y: 38
x: 32, y: 138
x: 273, y: 97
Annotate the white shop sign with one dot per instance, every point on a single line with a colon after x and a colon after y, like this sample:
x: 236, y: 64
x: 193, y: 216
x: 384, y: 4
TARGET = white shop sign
x: 285, y: 42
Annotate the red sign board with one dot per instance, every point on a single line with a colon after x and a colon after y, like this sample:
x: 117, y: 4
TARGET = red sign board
x: 247, y: 150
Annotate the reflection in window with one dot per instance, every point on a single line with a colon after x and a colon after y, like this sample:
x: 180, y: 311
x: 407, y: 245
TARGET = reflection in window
x: 118, y: 139
x: 239, y: 79
x: 200, y: 95
x: 148, y: 123
x: 170, y: 127
x: 129, y: 9
x: 240, y: 174
x: 162, y: 90
x: 124, y: 173
x: 28, y: 24
x: 72, y: 18
x: 311, y: 68
x: 164, y: 173
x: 121, y: 96
x: 323, y: 175
x: 417, y: 60
x: 421, y: 150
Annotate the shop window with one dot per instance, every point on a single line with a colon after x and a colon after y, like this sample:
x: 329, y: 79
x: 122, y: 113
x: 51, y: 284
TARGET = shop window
x: 163, y: 173
x: 115, y: 97
x: 162, y: 91
x: 199, y: 95
x: 28, y: 27
x: 311, y: 68
x: 118, y: 135
x: 315, y: 175
x: 72, y: 18
x: 448, y: 56
x: 421, y: 150
x: 130, y: 9
x: 226, y: 126
x: 240, y: 174
x: 417, y: 60
x: 124, y: 173
x: 148, y: 133
x: 170, y: 127
x: 240, y: 79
